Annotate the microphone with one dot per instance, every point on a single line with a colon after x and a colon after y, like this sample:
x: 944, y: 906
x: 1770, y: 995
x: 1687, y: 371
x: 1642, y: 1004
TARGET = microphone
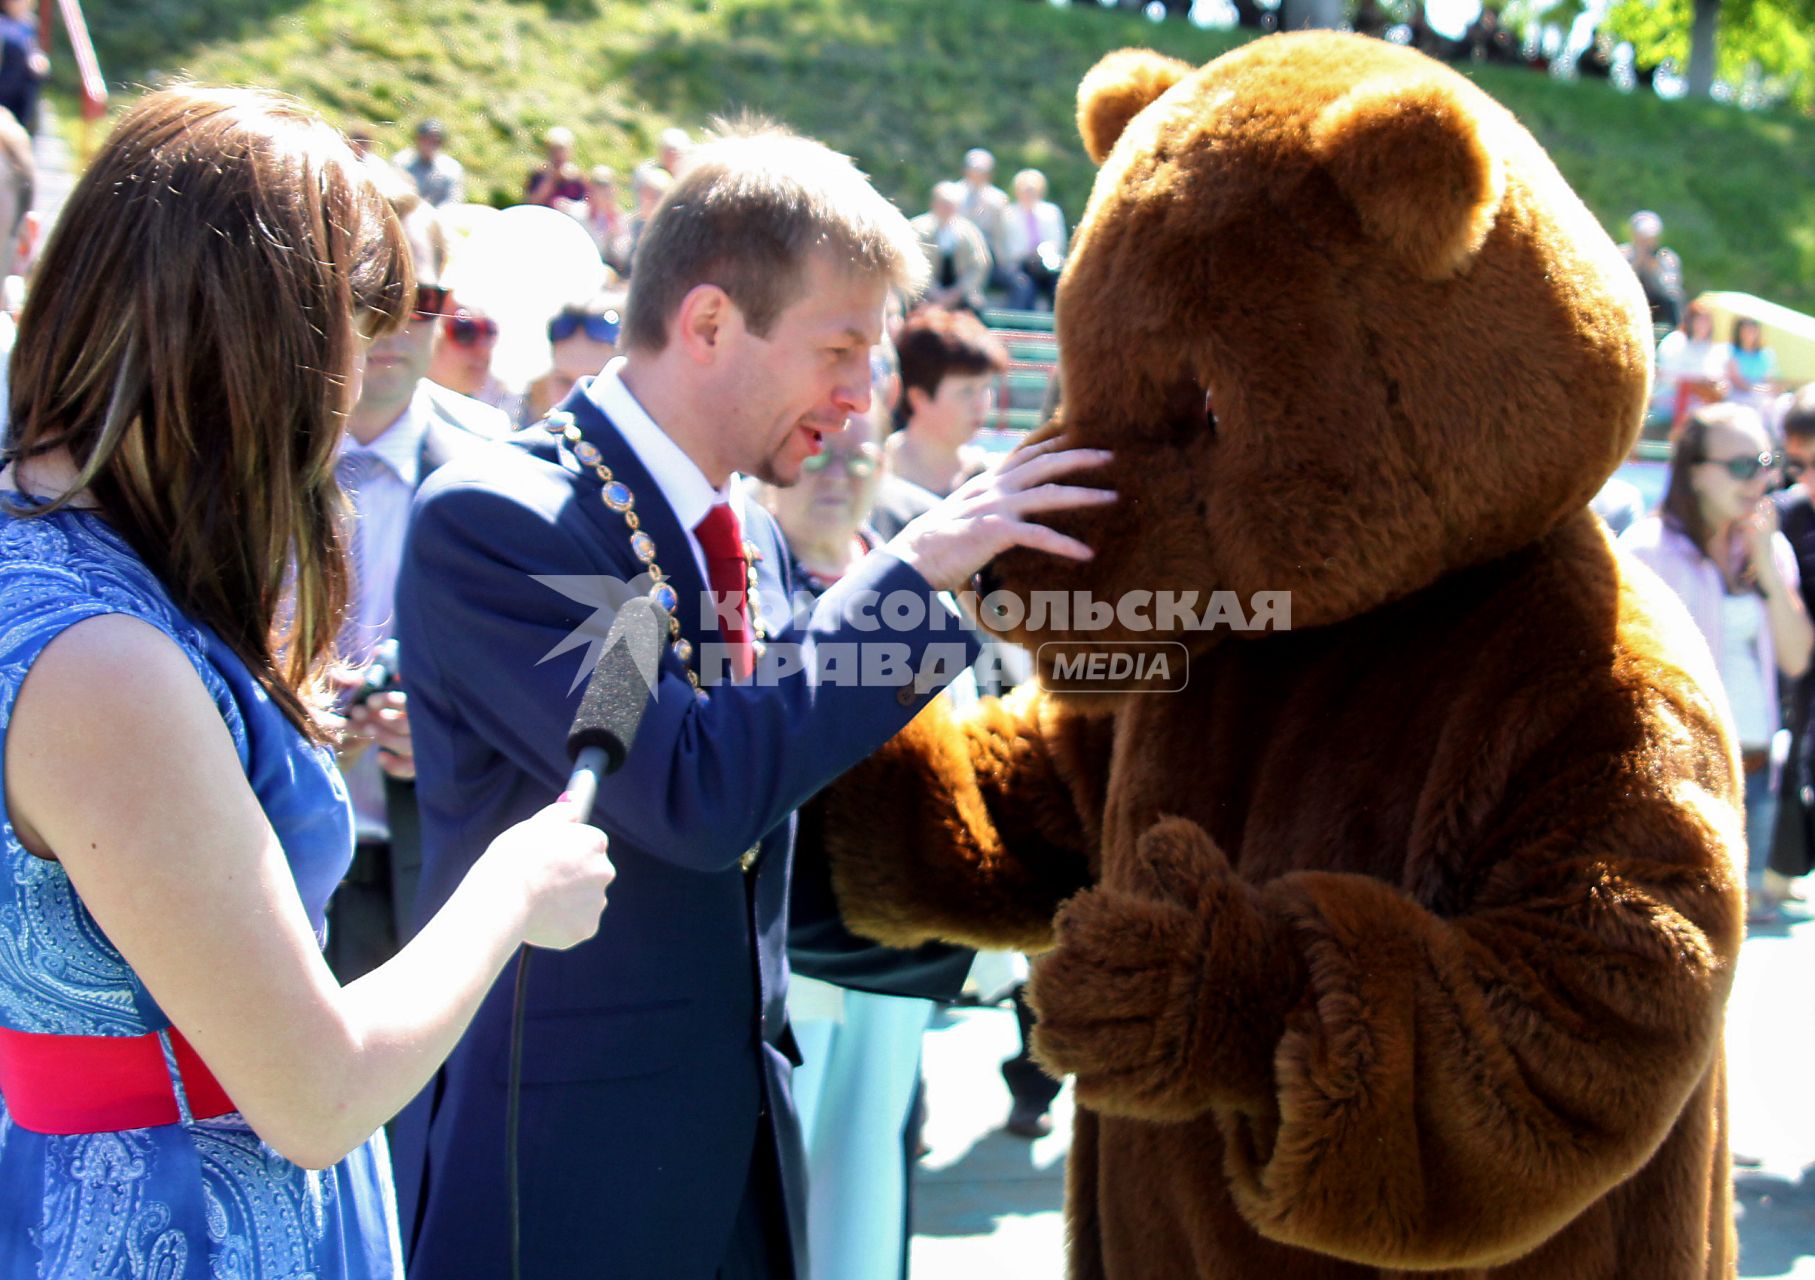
x: 606, y: 724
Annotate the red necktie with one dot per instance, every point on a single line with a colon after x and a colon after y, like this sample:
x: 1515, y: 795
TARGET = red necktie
x: 727, y: 573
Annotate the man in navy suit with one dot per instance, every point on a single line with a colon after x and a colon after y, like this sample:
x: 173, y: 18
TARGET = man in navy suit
x: 658, y: 1137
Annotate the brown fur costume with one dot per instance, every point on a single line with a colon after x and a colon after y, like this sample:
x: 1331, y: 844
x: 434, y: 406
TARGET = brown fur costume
x: 1399, y: 941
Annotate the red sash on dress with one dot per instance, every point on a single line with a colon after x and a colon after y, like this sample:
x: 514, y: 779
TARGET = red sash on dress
x: 97, y: 1084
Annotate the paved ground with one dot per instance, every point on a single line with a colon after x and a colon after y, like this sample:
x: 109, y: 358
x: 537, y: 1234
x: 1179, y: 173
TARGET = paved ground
x: 1771, y: 1046
x: 55, y: 167
x: 987, y: 1205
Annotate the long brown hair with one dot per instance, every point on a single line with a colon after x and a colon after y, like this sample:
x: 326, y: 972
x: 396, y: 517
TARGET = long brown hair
x: 190, y: 341
x: 1682, y: 506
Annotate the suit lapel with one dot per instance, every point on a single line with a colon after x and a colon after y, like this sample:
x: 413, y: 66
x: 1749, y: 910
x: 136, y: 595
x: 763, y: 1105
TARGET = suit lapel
x: 439, y: 443
x: 774, y: 580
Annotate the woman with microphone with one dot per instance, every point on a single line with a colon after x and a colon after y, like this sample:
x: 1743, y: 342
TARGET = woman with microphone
x: 187, y: 1091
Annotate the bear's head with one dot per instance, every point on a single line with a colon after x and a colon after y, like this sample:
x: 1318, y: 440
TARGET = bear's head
x: 1345, y: 328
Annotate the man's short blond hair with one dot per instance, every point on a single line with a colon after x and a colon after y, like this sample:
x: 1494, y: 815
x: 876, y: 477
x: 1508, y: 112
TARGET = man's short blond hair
x: 755, y: 201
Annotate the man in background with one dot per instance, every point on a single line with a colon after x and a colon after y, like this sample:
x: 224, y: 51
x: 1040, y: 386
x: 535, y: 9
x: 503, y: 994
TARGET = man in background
x: 1030, y: 243
x: 1659, y: 270
x: 955, y: 249
x: 984, y: 202
x: 402, y: 429
x: 440, y: 179
x: 858, y: 1008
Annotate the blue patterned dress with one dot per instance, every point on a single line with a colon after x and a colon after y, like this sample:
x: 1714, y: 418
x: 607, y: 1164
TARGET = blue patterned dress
x: 195, y: 1200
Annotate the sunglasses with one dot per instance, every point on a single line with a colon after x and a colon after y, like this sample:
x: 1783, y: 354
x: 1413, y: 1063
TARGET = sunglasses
x: 1795, y: 468
x: 1747, y: 467
x: 859, y: 466
x: 465, y: 330
x: 603, y: 328
x: 431, y: 301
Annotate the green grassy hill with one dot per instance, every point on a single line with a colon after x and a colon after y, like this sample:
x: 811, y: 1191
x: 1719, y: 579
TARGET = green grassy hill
x: 905, y: 86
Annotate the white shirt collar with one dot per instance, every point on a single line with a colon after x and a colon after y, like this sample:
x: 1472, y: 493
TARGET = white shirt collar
x: 685, y: 487
x: 399, y: 447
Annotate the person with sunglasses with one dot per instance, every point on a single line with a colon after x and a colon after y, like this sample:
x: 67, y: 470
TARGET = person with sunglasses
x: 1715, y: 541
x: 582, y: 339
x: 402, y: 428
x: 463, y: 358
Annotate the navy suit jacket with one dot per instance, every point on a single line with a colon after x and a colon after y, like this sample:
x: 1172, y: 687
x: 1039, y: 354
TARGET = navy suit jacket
x: 654, y: 1051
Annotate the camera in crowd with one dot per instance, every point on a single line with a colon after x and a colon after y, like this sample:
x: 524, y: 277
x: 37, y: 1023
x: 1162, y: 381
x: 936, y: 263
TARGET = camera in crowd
x: 383, y: 674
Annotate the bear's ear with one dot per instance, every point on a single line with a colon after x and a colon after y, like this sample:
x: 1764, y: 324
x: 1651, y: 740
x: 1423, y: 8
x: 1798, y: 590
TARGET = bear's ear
x: 1117, y: 89
x: 1416, y: 164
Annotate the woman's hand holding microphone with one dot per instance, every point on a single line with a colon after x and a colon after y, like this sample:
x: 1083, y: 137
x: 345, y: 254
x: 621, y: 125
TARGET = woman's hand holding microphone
x: 557, y: 867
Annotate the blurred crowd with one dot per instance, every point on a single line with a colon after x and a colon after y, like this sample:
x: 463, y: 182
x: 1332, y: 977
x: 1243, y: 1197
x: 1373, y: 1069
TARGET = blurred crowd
x: 986, y: 246
x: 1730, y: 529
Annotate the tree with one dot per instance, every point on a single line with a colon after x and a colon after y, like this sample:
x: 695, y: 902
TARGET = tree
x: 1296, y: 15
x: 1702, y: 29
x: 1766, y: 42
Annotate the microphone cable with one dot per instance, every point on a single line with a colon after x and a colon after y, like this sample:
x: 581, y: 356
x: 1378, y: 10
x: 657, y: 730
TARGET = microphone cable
x: 610, y: 712
x: 513, y: 1115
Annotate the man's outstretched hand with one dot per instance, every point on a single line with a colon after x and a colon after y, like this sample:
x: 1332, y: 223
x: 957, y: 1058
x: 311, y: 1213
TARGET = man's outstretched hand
x: 991, y: 513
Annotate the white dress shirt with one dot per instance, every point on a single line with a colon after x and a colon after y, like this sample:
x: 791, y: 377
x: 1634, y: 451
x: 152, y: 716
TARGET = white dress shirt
x: 684, y: 486
x: 383, y: 511
x: 382, y: 507
x: 1023, y: 230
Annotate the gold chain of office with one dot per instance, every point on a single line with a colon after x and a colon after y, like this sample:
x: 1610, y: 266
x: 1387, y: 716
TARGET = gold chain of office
x: 617, y: 496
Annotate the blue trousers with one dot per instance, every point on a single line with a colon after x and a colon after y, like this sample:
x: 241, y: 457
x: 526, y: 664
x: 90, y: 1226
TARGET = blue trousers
x: 853, y: 1091
x: 1761, y: 818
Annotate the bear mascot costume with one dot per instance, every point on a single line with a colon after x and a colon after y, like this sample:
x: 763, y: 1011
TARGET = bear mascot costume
x: 1396, y: 941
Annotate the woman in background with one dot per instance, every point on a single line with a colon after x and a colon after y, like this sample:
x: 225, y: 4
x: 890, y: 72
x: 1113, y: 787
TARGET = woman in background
x: 1715, y: 542
x: 1690, y: 367
x: 1751, y: 369
x: 188, y: 1092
